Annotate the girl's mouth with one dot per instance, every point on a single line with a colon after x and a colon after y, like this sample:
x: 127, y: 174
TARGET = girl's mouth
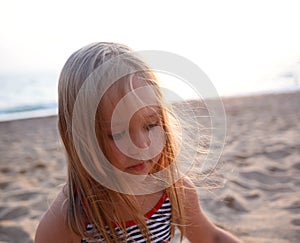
x: 138, y: 167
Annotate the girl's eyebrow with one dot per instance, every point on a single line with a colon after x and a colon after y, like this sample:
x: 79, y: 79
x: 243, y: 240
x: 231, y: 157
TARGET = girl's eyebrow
x: 147, y: 114
x: 153, y: 113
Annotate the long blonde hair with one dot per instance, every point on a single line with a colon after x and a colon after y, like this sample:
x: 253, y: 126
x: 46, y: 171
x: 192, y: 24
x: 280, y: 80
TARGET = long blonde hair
x: 88, y: 200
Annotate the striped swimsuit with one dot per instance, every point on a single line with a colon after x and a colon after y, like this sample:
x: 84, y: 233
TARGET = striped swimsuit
x: 158, y: 221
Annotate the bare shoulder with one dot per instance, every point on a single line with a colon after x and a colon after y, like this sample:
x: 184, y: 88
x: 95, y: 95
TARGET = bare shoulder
x: 189, y: 191
x: 53, y: 226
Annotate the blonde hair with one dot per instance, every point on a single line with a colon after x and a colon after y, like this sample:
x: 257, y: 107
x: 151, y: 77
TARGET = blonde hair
x: 88, y: 200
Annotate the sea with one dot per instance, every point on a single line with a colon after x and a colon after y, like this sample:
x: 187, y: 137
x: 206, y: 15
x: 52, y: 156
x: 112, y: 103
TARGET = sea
x: 28, y: 95
x: 32, y: 94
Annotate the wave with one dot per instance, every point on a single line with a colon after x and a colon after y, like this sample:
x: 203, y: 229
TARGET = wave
x: 28, y: 111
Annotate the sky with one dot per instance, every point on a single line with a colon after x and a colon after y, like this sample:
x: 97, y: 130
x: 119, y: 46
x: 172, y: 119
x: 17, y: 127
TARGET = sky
x: 235, y: 42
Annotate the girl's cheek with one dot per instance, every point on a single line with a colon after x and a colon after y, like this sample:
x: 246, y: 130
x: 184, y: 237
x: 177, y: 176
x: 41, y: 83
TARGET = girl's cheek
x: 115, y: 155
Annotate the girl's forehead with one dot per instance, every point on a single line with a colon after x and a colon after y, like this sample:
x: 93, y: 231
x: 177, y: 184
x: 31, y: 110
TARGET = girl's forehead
x: 126, y: 97
x: 120, y: 88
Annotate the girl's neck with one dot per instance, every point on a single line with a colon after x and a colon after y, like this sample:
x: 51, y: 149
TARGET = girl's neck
x: 145, y: 202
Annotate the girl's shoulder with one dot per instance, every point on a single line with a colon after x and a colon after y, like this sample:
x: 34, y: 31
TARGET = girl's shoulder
x: 53, y: 226
x: 187, y: 185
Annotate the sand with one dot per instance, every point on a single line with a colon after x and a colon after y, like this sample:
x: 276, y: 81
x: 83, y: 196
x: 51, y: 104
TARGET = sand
x: 258, y: 199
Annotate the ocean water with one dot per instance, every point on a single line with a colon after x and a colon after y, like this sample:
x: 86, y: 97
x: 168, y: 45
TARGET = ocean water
x: 35, y: 95
x: 27, y: 95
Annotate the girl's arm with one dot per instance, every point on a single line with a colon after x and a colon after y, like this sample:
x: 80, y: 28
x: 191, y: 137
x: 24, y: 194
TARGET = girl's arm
x: 53, y: 227
x: 199, y: 228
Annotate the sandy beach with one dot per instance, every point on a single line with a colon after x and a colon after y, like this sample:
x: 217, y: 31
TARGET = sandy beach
x: 259, y: 200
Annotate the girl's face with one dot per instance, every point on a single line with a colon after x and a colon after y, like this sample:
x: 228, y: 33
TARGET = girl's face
x: 130, y: 121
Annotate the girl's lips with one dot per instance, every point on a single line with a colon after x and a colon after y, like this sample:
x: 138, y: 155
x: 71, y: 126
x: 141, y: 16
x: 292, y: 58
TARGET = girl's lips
x: 139, y: 167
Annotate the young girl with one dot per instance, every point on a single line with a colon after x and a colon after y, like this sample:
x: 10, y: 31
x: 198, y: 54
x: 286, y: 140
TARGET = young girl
x: 121, y: 144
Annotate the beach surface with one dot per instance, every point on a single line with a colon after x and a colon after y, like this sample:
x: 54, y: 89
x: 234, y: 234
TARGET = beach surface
x: 257, y: 197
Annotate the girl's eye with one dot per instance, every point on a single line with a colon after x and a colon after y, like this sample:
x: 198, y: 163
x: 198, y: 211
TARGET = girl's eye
x: 151, y: 125
x: 116, y: 136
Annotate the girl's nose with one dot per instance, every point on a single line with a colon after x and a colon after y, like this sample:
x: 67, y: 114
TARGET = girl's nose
x: 140, y: 140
